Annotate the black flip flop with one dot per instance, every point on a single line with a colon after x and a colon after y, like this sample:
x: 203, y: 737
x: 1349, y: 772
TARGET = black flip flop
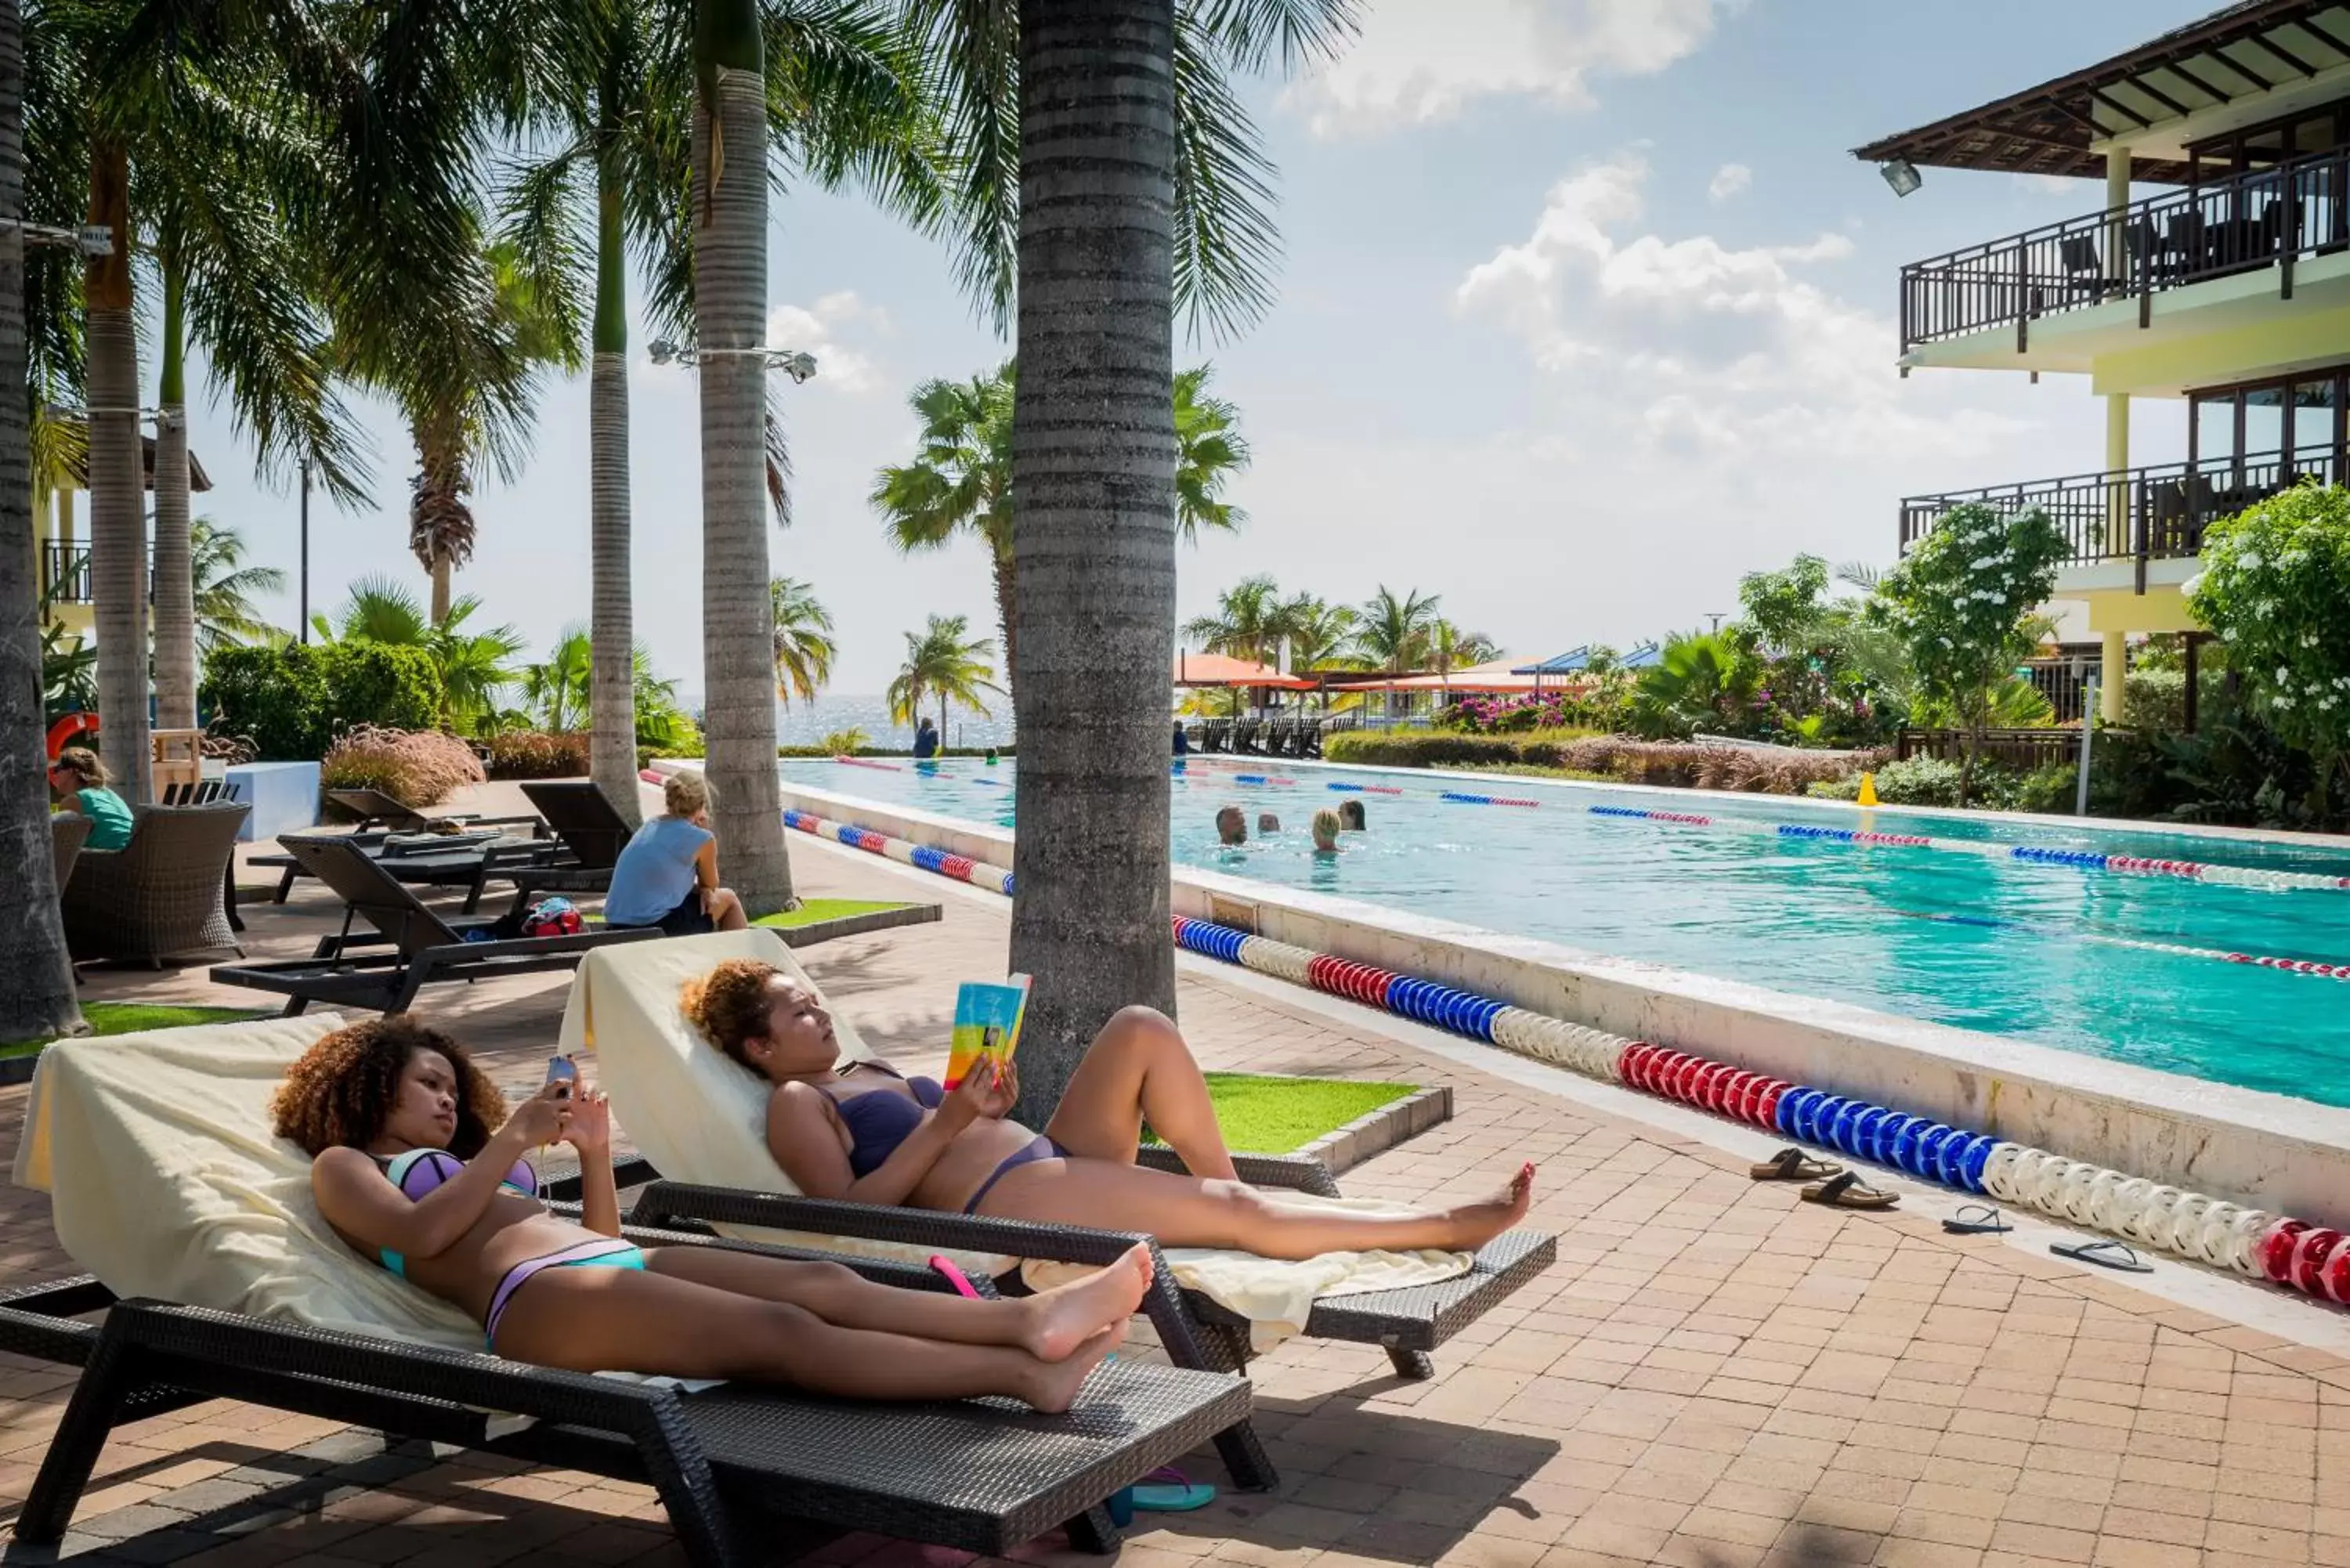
x: 1794, y: 1165
x: 1977, y: 1220
x: 2105, y: 1254
x: 1845, y: 1191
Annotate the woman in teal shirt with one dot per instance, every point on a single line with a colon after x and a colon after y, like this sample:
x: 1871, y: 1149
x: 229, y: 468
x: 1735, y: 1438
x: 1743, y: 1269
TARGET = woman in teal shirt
x: 80, y: 782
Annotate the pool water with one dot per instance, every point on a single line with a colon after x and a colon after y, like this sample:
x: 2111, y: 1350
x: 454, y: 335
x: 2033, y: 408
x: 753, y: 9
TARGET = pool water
x: 1997, y: 944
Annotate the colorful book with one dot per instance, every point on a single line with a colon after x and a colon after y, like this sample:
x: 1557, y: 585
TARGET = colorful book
x: 987, y: 1025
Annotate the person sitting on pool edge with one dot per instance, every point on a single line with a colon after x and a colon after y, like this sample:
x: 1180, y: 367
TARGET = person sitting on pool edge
x: 667, y: 873
x: 1351, y: 816
x: 1182, y: 740
x: 416, y: 1164
x: 926, y: 740
x: 859, y: 1132
x: 1267, y: 824
x: 1325, y: 832
x: 1232, y: 826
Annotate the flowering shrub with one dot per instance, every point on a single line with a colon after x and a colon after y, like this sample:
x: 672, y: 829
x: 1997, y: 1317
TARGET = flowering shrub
x: 2274, y: 586
x: 538, y: 754
x: 415, y: 767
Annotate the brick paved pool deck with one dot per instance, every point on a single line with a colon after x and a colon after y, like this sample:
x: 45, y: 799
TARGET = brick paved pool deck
x: 1713, y: 1374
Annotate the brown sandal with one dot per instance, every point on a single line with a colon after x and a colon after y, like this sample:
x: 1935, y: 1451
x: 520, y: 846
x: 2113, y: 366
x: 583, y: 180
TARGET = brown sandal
x: 1845, y: 1191
x: 1794, y: 1165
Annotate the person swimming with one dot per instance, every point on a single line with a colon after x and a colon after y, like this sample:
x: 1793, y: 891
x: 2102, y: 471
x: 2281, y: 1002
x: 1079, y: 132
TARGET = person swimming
x: 1266, y: 822
x: 1351, y: 816
x: 861, y: 1131
x: 1232, y: 826
x: 1325, y: 832
x: 417, y: 1165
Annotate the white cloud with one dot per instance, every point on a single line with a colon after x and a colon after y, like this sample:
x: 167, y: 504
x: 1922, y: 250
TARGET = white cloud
x: 1689, y: 343
x: 1418, y: 62
x: 1730, y: 179
x: 816, y: 329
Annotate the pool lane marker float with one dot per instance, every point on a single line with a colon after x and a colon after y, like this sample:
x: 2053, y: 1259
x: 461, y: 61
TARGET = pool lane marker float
x: 2313, y: 1259
x: 2032, y: 854
x: 2139, y: 944
x: 850, y: 762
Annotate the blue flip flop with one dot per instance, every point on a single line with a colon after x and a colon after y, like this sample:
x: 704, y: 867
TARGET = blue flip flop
x: 1169, y: 1491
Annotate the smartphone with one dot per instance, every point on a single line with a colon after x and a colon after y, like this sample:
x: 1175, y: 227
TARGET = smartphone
x: 563, y: 1073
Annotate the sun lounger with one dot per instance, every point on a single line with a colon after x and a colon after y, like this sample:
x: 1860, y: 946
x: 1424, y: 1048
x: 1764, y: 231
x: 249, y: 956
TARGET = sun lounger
x: 589, y: 834
x: 164, y: 1179
x: 406, y: 946
x: 375, y: 808
x: 684, y: 1104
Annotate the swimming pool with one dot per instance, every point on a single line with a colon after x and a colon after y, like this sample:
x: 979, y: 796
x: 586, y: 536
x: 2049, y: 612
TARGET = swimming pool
x: 2033, y: 947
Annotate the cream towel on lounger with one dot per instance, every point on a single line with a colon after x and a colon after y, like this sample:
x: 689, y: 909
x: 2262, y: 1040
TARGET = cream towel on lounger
x: 700, y: 1117
x: 164, y: 1180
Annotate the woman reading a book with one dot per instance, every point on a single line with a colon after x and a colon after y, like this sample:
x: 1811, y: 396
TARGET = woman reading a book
x: 416, y: 1164
x: 860, y: 1131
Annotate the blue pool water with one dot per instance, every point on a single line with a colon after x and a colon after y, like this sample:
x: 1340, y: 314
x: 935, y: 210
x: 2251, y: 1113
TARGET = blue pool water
x: 1879, y: 926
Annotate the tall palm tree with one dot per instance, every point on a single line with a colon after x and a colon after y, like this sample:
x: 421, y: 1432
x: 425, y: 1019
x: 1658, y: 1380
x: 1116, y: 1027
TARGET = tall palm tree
x: 804, y: 645
x: 223, y: 587
x: 1394, y: 633
x: 1319, y: 634
x: 37, y: 982
x: 961, y: 479
x: 730, y: 300
x: 1251, y: 621
x: 557, y: 689
x: 944, y: 661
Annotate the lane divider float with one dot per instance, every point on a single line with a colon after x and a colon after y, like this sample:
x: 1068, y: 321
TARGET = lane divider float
x: 2312, y: 1258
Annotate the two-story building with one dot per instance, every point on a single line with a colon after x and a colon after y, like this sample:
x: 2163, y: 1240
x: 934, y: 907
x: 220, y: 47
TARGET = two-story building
x: 2225, y: 292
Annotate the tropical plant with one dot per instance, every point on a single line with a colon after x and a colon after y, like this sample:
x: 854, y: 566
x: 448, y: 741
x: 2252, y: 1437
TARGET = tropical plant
x: 1451, y: 649
x: 1961, y: 602
x: 943, y: 662
x: 1394, y: 633
x: 475, y: 667
x: 224, y: 587
x: 1701, y: 680
x: 804, y: 649
x: 845, y: 742
x: 417, y: 767
x: 1319, y: 634
x: 1251, y: 621
x: 37, y: 978
x: 2274, y: 580
x: 959, y: 482
x: 555, y: 691
x: 68, y: 672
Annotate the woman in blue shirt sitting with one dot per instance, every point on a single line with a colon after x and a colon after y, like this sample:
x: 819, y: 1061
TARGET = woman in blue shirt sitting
x: 667, y: 875
x: 81, y: 781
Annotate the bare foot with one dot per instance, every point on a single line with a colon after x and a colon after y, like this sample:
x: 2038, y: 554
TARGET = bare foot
x: 1477, y: 1223
x: 1053, y: 1385
x: 1062, y: 1321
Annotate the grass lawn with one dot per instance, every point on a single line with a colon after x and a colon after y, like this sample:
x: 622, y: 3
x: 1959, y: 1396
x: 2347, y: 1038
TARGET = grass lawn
x: 137, y: 1017
x: 815, y: 909
x: 1278, y: 1115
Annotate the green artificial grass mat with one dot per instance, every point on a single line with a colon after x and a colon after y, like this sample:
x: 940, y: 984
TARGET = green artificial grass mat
x: 138, y: 1017
x: 815, y: 909
x: 1260, y: 1114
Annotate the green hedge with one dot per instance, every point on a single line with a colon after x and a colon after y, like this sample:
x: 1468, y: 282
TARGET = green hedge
x: 293, y: 701
x: 1420, y: 748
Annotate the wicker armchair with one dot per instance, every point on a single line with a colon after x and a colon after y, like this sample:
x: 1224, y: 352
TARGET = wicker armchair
x: 69, y: 831
x: 160, y: 895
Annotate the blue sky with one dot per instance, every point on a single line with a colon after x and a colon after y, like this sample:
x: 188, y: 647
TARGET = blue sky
x: 1585, y: 312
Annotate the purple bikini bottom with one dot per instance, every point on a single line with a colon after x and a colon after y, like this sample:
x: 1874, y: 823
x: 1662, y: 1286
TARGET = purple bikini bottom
x: 599, y: 1252
x: 1042, y: 1148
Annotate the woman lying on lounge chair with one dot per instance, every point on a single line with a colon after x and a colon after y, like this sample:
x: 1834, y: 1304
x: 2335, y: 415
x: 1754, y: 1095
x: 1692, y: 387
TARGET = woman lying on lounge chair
x: 417, y: 1165
x: 860, y: 1132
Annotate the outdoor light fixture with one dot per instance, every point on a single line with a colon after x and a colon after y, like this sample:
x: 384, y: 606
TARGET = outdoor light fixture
x: 95, y: 241
x: 1902, y: 175
x: 793, y: 362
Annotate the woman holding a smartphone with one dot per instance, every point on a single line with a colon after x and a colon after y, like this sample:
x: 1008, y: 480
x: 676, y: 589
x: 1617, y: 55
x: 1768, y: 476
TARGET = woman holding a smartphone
x: 416, y: 1163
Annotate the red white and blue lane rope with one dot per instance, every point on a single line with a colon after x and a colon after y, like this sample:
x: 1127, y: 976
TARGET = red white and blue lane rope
x: 2035, y: 854
x: 2312, y: 1258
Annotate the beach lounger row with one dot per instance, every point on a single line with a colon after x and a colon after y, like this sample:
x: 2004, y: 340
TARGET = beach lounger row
x: 1285, y: 737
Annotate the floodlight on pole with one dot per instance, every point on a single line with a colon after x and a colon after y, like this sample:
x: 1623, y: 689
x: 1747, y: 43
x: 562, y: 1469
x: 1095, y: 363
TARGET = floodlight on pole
x: 1902, y: 175
x: 798, y: 364
x: 95, y: 241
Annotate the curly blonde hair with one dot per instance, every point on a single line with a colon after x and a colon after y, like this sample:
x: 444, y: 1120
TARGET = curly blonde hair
x: 729, y: 1004
x: 341, y: 1092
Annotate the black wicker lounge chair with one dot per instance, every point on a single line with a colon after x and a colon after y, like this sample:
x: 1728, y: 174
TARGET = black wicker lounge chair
x: 159, y: 895
x: 423, y: 947
x: 979, y: 1476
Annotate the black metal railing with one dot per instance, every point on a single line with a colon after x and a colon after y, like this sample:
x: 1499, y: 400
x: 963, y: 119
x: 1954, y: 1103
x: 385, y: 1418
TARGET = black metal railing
x: 2264, y: 218
x: 65, y: 572
x: 2023, y: 750
x: 2153, y: 514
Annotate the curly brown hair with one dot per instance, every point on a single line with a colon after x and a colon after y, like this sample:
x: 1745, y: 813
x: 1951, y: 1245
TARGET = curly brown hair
x: 342, y: 1090
x: 729, y: 1004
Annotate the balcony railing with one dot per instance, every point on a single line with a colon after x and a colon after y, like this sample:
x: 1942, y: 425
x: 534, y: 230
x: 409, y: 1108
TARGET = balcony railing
x: 64, y: 571
x: 2153, y: 513
x: 2265, y: 218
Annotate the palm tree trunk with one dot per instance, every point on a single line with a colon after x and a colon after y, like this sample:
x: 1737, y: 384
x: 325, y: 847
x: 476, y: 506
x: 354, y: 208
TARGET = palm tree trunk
x: 117, y: 523
x: 439, y: 609
x: 730, y: 285
x: 1007, y: 612
x: 175, y: 588
x: 1093, y: 458
x: 612, y: 727
x: 37, y: 989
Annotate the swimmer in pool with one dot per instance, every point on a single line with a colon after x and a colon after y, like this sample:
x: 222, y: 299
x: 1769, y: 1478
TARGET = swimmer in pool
x: 1266, y: 822
x: 1326, y: 833
x: 1232, y: 826
x: 1351, y: 817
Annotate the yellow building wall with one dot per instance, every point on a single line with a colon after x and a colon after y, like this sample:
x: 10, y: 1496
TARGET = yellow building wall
x: 2284, y: 340
x: 2156, y: 610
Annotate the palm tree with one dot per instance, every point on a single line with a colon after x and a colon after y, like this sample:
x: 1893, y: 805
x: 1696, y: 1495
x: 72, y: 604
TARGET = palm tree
x: 1451, y: 649
x: 944, y: 661
x: 1319, y: 634
x: 961, y: 479
x: 1251, y: 621
x: 1104, y: 246
x: 1394, y: 634
x: 36, y: 981
x: 556, y: 690
x: 804, y: 645
x: 474, y: 666
x: 223, y: 587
